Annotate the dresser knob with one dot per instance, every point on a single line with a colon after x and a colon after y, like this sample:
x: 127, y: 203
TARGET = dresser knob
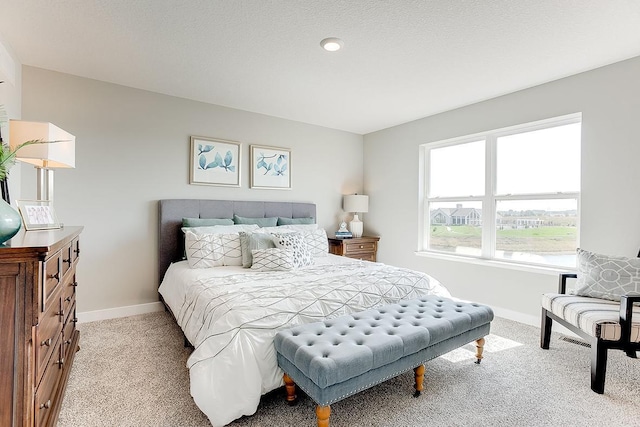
x: 68, y: 261
x: 68, y: 299
x: 60, y: 362
x: 74, y: 284
x: 55, y: 276
x: 77, y: 251
x: 46, y: 342
x: 67, y: 342
x: 61, y: 314
x: 45, y: 405
x: 74, y: 320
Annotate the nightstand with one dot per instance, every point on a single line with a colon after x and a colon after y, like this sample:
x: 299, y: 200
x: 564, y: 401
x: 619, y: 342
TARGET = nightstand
x: 364, y: 248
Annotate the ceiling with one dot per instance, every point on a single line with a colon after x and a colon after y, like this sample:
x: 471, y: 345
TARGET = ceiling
x: 402, y: 59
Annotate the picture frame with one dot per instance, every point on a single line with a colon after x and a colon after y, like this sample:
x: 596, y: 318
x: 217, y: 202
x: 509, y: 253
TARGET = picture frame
x: 215, y: 162
x: 270, y: 167
x: 38, y: 214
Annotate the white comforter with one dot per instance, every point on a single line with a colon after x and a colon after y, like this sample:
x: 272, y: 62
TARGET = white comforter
x: 231, y: 315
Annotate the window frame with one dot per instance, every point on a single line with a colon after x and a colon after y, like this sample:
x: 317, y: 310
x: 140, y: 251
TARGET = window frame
x: 490, y: 199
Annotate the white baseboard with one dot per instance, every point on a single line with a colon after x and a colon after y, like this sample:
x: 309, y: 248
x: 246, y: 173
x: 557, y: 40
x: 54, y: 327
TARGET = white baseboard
x: 113, y: 313
x: 528, y: 319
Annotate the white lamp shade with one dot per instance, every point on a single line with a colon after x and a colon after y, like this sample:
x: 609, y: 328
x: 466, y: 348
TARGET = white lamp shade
x: 60, y: 154
x: 355, y: 203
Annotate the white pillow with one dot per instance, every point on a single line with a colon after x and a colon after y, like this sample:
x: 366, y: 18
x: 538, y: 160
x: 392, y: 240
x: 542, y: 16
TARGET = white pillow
x: 221, y: 229
x: 227, y: 247
x: 295, y: 242
x: 199, y: 249
x: 272, y: 259
x: 304, y: 228
x: 317, y: 242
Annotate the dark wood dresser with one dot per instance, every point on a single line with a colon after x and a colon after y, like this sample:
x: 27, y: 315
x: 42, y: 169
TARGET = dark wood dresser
x: 38, y: 336
x: 364, y: 248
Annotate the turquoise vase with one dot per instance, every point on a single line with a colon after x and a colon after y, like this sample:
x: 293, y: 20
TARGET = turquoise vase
x: 10, y: 221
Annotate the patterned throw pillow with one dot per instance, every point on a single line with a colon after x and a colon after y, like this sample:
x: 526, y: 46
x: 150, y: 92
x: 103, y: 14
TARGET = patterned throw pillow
x: 199, y: 249
x: 272, y: 259
x: 227, y: 247
x: 607, y: 277
x: 295, y: 242
x: 317, y: 242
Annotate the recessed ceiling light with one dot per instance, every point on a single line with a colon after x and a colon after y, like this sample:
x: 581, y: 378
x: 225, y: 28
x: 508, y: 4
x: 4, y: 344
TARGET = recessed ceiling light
x: 331, y: 44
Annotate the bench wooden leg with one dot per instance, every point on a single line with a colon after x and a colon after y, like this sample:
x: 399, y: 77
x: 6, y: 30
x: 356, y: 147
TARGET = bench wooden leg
x: 323, y: 413
x: 479, y: 349
x: 419, y: 374
x: 290, y: 386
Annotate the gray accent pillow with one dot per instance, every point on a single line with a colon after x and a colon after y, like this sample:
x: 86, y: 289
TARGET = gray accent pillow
x: 252, y: 241
x: 289, y: 221
x: 261, y: 222
x: 607, y: 277
x: 201, y: 222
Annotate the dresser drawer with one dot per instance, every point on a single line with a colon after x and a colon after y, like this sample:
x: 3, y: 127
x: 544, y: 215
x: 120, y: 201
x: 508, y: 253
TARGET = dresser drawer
x: 356, y: 247
x: 52, y: 275
x: 46, y: 392
x: 48, y: 332
x: 66, y: 259
x: 75, y: 249
x: 68, y: 293
x: 67, y: 333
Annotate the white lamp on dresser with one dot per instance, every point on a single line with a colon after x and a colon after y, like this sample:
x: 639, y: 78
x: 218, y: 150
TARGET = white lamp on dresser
x: 356, y: 203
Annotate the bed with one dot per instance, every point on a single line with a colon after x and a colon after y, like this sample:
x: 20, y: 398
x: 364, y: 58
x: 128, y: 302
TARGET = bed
x: 231, y: 314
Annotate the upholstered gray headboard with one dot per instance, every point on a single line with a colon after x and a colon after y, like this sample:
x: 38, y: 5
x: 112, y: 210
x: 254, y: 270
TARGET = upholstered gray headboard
x: 171, y: 212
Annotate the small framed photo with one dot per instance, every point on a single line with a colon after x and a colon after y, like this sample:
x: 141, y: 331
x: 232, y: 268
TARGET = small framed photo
x: 270, y: 167
x: 215, y: 162
x: 38, y: 214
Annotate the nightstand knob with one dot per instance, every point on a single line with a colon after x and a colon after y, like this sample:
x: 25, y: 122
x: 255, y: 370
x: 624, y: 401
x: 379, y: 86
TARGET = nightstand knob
x: 361, y: 246
x: 46, y: 405
x: 46, y: 342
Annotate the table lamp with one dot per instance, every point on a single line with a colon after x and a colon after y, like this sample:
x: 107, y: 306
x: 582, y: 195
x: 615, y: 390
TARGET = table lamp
x: 356, y: 203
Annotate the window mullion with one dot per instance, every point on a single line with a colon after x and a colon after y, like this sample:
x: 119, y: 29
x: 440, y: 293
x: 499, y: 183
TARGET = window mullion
x: 488, y: 202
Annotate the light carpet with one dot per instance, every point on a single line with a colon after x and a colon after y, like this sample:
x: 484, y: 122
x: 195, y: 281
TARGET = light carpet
x: 132, y: 372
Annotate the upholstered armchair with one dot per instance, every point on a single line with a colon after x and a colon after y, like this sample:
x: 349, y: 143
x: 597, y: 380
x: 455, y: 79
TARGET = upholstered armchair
x: 601, y: 309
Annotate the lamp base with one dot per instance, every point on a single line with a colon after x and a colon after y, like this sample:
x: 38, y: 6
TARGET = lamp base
x: 356, y: 226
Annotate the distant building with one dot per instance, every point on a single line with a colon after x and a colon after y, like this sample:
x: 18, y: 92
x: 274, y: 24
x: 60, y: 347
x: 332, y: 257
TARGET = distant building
x: 456, y: 216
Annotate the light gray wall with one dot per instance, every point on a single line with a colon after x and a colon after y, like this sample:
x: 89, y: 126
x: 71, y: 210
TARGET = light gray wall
x: 132, y: 148
x: 609, y: 99
x: 11, y: 103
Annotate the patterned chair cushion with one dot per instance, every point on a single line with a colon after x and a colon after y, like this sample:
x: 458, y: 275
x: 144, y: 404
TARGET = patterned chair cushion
x: 597, y: 317
x: 608, y: 277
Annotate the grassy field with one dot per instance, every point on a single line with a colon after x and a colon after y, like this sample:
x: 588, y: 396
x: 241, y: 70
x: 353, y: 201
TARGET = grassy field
x: 538, y: 240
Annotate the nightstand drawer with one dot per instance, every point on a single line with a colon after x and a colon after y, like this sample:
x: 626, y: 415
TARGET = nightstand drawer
x: 363, y: 256
x: 356, y: 247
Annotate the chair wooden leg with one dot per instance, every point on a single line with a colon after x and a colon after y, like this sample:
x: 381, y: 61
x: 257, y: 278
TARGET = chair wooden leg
x: 598, y: 365
x: 323, y: 413
x: 545, y: 330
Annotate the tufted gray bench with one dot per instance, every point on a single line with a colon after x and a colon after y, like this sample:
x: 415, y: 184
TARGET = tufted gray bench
x: 337, y: 358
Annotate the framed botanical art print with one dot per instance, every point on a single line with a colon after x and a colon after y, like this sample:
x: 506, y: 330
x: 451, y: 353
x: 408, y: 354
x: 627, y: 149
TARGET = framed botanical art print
x: 38, y: 214
x: 270, y: 167
x: 215, y: 162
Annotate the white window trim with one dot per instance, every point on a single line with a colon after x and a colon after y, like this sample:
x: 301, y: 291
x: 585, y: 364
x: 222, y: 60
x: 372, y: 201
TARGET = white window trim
x: 487, y: 256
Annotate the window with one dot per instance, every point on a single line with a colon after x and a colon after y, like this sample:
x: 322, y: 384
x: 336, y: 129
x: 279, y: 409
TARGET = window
x: 509, y: 194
